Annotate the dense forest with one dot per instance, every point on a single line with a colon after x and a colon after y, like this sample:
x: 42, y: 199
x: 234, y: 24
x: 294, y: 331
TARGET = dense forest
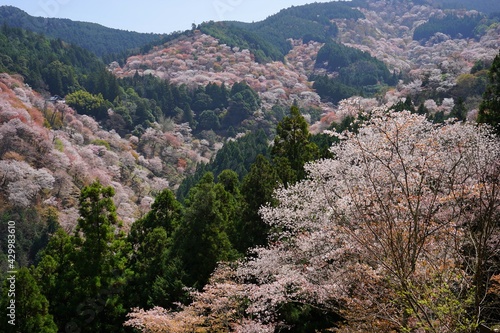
x: 276, y: 176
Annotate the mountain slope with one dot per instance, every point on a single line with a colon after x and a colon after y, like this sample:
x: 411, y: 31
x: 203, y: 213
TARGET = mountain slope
x: 46, y: 64
x: 485, y: 6
x: 307, y: 22
x: 91, y: 36
x: 48, y: 152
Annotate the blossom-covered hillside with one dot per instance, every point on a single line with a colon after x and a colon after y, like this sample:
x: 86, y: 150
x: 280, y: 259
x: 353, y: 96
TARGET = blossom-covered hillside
x: 440, y: 64
x: 201, y: 59
x: 48, y: 152
x: 387, y: 33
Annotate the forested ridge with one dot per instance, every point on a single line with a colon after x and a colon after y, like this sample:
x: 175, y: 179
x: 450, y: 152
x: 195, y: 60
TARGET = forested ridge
x: 334, y: 167
x: 96, y: 38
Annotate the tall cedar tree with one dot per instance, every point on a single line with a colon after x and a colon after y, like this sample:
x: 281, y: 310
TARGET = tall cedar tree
x: 56, y: 275
x: 153, y: 283
x: 489, y: 110
x: 292, y: 147
x: 257, y: 189
x: 202, y: 240
x: 82, y: 275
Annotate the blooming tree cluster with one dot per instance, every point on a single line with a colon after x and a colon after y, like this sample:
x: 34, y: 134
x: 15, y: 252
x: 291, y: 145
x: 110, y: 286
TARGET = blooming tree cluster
x: 386, y: 33
x: 388, y: 235
x: 377, y: 234
x: 48, y: 162
x: 23, y: 183
x: 201, y: 59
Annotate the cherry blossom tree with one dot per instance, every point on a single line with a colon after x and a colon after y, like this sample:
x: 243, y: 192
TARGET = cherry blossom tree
x: 377, y: 234
x: 22, y: 182
x: 218, y: 308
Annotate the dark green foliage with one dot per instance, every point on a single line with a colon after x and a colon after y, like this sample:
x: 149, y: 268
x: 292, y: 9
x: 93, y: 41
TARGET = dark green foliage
x: 485, y: 6
x: 279, y: 27
x: 233, y: 36
x: 82, y: 275
x: 60, y: 78
x: 489, y: 110
x: 459, y: 111
x: 236, y: 155
x: 208, y: 120
x: 324, y: 142
x: 31, y: 307
x: 257, y: 189
x: 296, y: 22
x: 155, y: 280
x: 333, y: 56
x: 33, y: 229
x: 103, y: 82
x: 450, y: 25
x: 91, y: 36
x: 56, y: 276
x: 46, y: 64
x: 332, y: 90
x: 422, y: 110
x: 95, y: 229
x: 203, y: 238
x: 268, y: 39
x: 243, y: 102
x: 358, y: 73
x: 135, y: 110
x: 305, y: 318
x: 212, y: 107
x: 292, y: 143
x: 407, y: 105
x: 323, y: 12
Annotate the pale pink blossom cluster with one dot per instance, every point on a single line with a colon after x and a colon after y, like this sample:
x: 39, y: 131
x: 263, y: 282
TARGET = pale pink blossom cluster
x: 201, y: 59
x: 387, y: 208
x: 40, y: 165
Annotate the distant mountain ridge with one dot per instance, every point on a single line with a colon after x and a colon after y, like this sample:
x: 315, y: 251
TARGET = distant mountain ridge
x: 91, y: 36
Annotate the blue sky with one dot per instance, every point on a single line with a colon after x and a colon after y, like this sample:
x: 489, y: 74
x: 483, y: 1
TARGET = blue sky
x: 154, y: 15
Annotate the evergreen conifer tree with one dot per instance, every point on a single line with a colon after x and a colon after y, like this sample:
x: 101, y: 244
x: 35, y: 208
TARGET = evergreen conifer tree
x: 489, y: 110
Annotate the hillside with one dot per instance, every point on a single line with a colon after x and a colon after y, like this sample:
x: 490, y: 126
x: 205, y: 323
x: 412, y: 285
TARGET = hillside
x: 199, y: 71
x: 46, y: 65
x: 91, y: 36
x: 202, y: 59
x: 385, y: 31
x: 323, y: 170
x: 44, y: 167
